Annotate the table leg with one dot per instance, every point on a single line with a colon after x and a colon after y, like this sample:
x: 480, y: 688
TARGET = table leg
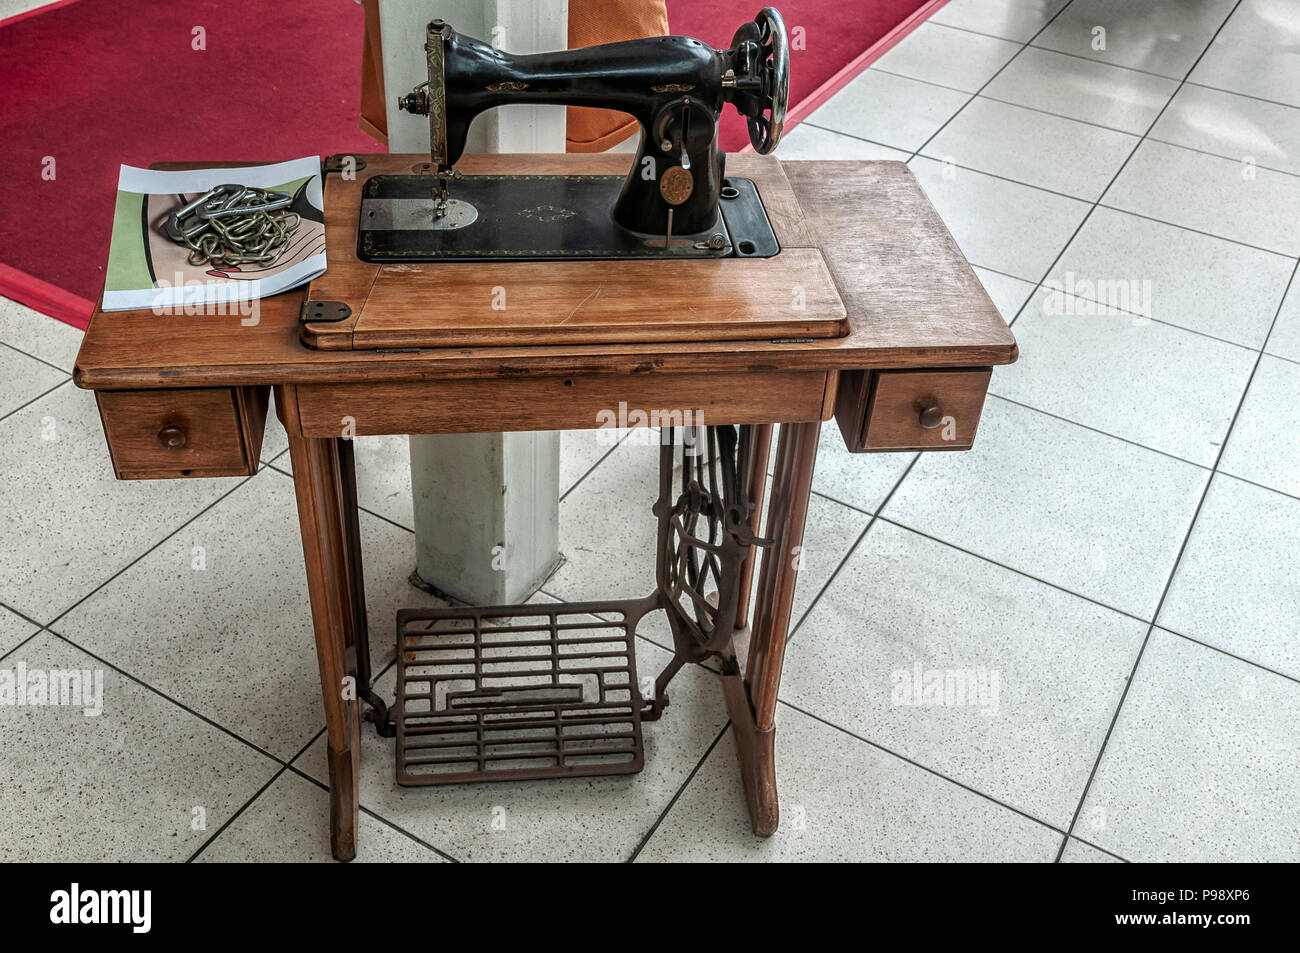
x: 757, y: 487
x: 752, y: 704
x: 319, y: 482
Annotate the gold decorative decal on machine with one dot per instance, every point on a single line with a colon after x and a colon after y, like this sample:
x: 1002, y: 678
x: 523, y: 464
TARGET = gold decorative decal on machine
x: 437, y: 99
x: 508, y: 84
x: 547, y: 213
x: 676, y: 185
x: 673, y: 88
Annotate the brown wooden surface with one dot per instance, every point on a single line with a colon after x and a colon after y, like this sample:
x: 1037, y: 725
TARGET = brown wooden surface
x: 796, y: 456
x: 557, y: 302
x: 756, y: 752
x: 555, y: 403
x: 898, y: 397
x: 881, y: 410
x: 901, y: 275
x: 452, y: 305
x: 222, y: 429
x: 912, y: 301
x: 318, y: 484
x: 756, y: 489
x: 753, y: 706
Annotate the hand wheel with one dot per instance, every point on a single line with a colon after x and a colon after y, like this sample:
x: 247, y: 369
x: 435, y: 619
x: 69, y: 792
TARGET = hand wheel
x: 765, y: 130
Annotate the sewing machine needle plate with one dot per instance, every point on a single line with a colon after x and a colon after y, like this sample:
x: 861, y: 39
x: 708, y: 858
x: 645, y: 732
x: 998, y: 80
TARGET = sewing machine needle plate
x: 540, y: 217
x: 418, y: 214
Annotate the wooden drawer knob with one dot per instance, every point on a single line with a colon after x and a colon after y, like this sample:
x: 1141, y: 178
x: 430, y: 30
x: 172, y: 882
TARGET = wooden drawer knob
x: 931, y: 414
x: 172, y: 437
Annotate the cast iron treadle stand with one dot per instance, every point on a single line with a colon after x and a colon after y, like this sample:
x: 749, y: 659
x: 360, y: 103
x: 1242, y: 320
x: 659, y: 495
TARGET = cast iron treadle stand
x: 550, y: 690
x: 705, y: 537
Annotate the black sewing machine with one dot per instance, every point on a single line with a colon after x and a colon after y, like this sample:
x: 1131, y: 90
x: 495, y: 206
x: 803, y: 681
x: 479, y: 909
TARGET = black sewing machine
x: 676, y: 201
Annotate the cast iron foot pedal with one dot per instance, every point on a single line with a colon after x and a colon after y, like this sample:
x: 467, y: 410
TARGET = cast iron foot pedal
x: 505, y: 693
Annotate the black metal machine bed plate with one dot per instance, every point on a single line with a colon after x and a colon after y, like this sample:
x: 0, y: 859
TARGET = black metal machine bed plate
x: 540, y: 217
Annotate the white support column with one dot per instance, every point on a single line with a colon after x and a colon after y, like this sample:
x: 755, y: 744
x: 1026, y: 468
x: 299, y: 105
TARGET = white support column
x: 486, y: 505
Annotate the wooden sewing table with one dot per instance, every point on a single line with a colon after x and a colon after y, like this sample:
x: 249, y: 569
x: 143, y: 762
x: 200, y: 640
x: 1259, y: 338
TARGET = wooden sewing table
x: 186, y: 397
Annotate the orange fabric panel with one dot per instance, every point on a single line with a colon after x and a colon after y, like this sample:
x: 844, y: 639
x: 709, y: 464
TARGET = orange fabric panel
x: 591, y: 22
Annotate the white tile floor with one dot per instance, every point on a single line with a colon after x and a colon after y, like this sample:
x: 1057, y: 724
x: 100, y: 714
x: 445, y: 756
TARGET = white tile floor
x: 1118, y: 550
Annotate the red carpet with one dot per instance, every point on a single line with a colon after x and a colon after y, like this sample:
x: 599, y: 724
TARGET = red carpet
x: 840, y: 39
x: 96, y: 83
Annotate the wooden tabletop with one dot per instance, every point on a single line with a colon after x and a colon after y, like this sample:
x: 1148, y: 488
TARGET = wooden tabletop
x: 911, y: 297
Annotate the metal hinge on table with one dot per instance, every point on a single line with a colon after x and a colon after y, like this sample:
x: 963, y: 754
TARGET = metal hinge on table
x: 342, y: 162
x: 323, y: 311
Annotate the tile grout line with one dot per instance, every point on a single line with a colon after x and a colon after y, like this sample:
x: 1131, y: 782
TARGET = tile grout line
x: 288, y: 768
x: 1231, y: 655
x: 21, y: 615
x: 1074, y: 198
x: 1280, y: 357
x: 1024, y: 46
x: 163, y: 695
x: 1011, y: 102
x: 852, y: 549
x: 1220, y: 155
x: 1019, y: 572
x: 1089, y: 59
x: 1136, y: 314
x: 592, y: 469
x: 378, y: 516
x: 1210, y: 479
x: 1099, y: 431
x: 1262, y: 486
x: 243, y: 481
x: 1088, y: 843
x: 292, y: 767
x: 1124, y: 165
x: 237, y: 813
x: 42, y: 394
x: 1188, y: 228
x: 1077, y: 56
x: 789, y: 639
x: 1233, y: 92
x: 722, y: 733
x: 927, y: 769
x: 1008, y: 39
x: 850, y: 135
x: 5, y: 655
x: 15, y: 348
x: 999, y: 177
x: 1053, y: 585
x: 1048, y: 112
x: 1173, y: 572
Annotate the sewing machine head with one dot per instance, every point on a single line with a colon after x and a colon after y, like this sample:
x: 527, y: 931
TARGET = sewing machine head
x: 675, y: 86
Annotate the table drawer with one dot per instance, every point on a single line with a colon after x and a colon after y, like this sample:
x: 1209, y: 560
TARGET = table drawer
x: 199, y: 432
x: 911, y: 410
x: 579, y: 402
